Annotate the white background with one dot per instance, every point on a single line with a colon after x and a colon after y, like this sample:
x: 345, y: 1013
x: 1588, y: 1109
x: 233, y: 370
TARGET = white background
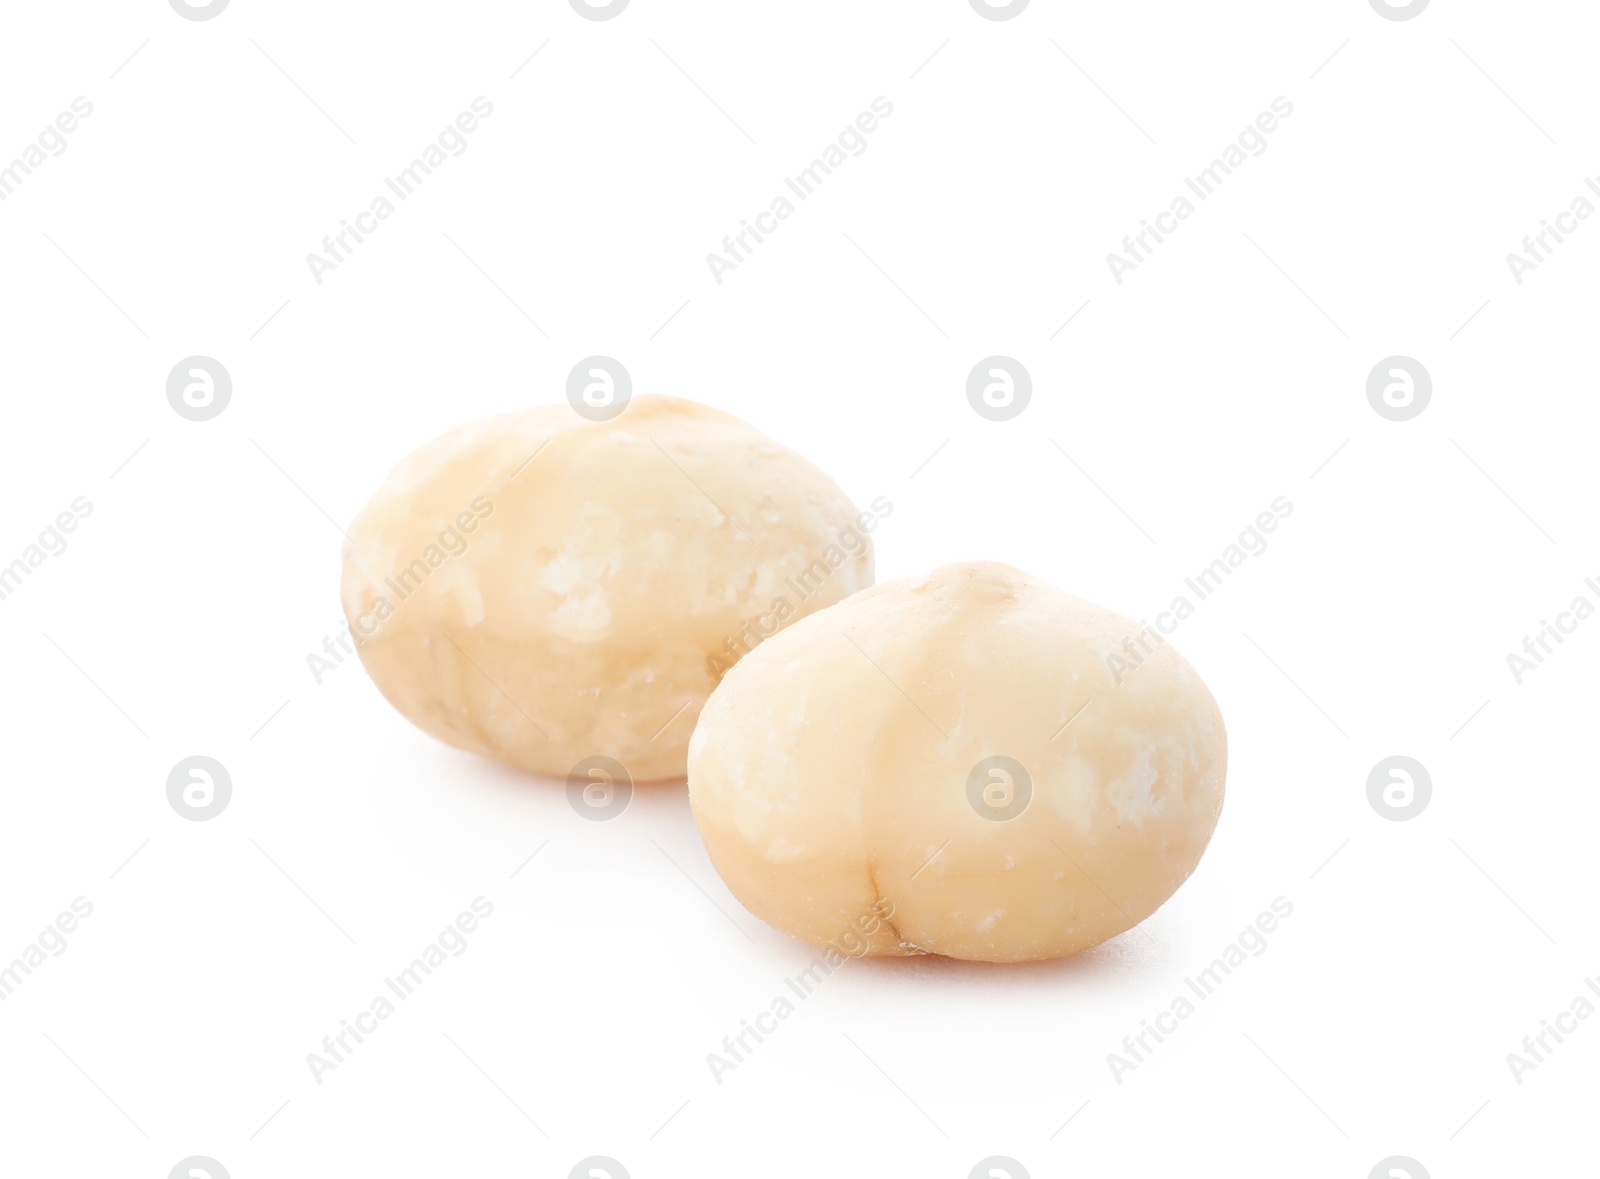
x: 1222, y: 373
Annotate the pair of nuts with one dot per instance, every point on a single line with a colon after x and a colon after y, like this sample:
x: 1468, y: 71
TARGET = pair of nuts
x: 953, y: 750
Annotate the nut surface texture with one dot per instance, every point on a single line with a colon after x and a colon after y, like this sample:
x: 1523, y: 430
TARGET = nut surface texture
x: 957, y: 750
x: 541, y: 589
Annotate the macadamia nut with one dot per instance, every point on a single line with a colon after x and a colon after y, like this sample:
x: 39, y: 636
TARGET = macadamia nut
x: 957, y: 750
x: 542, y: 589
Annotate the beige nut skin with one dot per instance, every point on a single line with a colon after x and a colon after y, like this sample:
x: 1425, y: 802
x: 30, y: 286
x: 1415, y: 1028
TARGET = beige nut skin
x: 540, y: 588
x: 829, y: 773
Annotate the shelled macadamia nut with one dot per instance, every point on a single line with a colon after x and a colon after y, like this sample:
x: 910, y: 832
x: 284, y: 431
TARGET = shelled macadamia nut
x: 545, y: 589
x: 974, y: 753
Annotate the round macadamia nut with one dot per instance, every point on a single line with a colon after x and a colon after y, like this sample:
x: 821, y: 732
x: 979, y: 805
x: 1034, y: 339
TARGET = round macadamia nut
x: 544, y: 589
x: 970, y: 763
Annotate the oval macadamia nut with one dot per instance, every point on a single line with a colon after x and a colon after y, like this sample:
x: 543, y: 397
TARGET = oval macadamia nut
x: 544, y: 589
x: 969, y: 763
